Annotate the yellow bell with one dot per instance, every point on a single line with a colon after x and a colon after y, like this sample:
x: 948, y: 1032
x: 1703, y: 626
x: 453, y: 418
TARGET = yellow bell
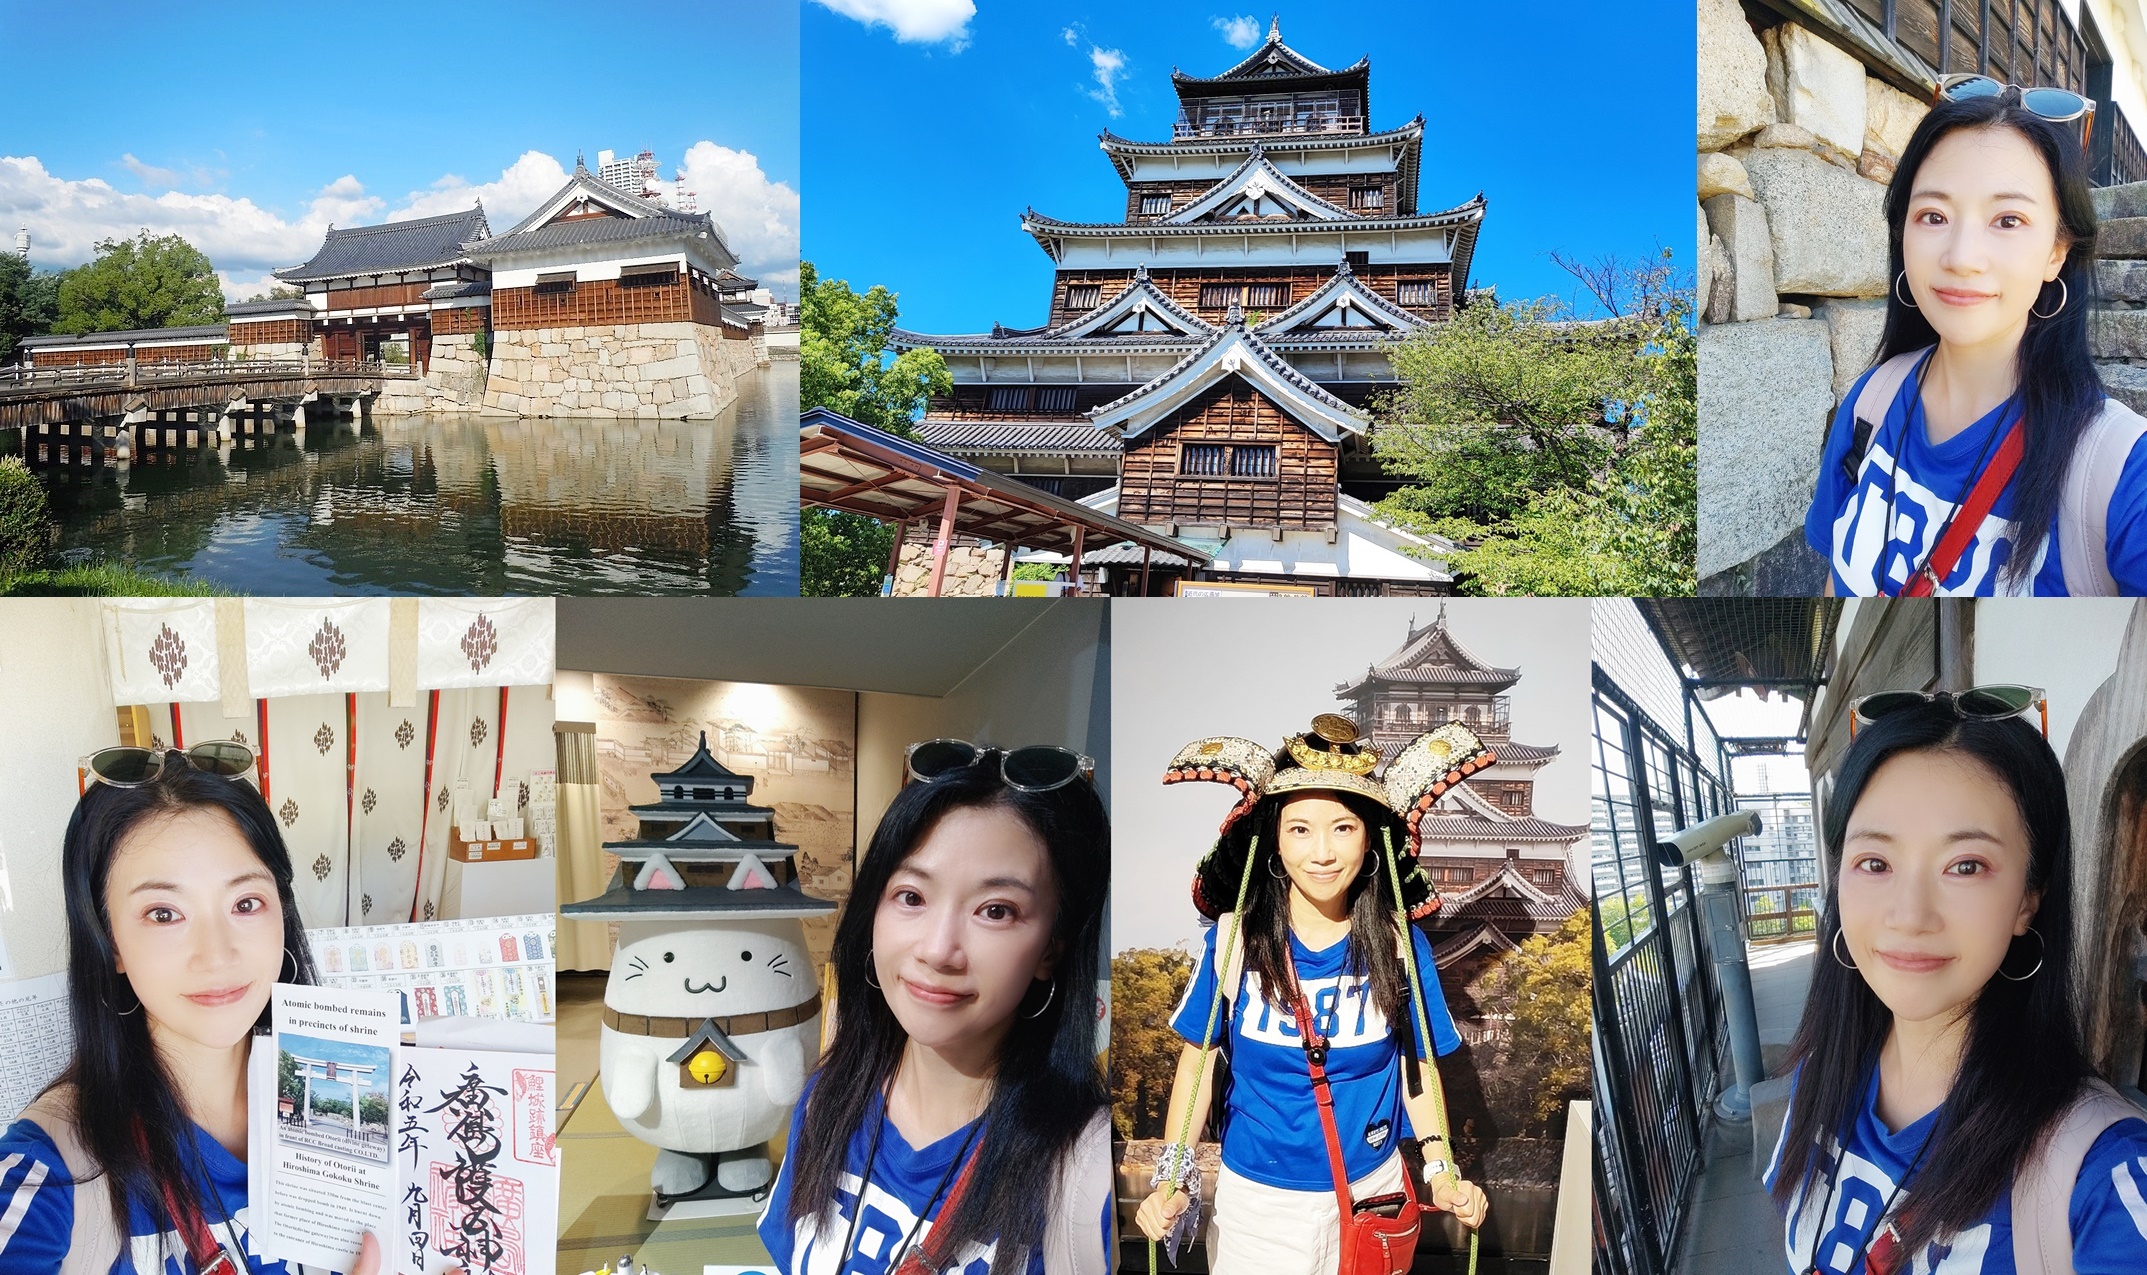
x: 708, y: 1066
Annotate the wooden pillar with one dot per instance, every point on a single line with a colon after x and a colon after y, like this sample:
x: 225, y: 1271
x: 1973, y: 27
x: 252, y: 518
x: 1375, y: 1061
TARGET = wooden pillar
x: 894, y: 555
x: 942, y: 544
x: 1080, y: 533
x: 1145, y: 551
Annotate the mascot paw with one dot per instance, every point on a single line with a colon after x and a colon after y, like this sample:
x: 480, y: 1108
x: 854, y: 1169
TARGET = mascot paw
x: 678, y: 1172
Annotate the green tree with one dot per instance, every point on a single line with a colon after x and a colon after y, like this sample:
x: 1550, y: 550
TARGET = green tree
x: 279, y: 292
x: 26, y: 528
x: 29, y: 303
x: 288, y: 1084
x: 1606, y: 507
x: 1544, y: 987
x: 843, y: 366
x: 373, y: 1109
x: 149, y: 281
x: 1146, y: 983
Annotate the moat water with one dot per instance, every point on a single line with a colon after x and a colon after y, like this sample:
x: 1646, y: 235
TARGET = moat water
x: 459, y: 504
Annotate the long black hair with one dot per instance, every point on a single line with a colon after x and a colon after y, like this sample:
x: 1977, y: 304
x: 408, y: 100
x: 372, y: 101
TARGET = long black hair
x: 1372, y: 950
x: 126, y: 1109
x: 2021, y: 1064
x: 2059, y: 390
x: 1047, y: 1086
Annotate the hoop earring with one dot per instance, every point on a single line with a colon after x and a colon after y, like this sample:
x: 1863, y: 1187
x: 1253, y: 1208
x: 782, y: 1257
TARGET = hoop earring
x: 1835, y: 948
x: 1275, y: 863
x: 2041, y: 949
x: 2064, y: 297
x: 122, y: 1013
x: 868, y: 973
x: 1910, y: 302
x: 294, y: 967
x: 1053, y: 990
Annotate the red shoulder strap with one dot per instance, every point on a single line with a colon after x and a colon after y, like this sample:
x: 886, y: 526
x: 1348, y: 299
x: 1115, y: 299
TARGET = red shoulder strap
x: 1961, y: 528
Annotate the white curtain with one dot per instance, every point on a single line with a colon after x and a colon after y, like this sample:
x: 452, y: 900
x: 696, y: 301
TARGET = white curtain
x: 306, y: 779
x: 389, y: 813
x: 299, y: 646
x: 162, y: 650
x: 466, y: 643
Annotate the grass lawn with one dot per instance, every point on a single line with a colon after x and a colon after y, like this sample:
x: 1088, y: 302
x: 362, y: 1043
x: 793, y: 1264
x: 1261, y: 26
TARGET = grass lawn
x: 102, y: 580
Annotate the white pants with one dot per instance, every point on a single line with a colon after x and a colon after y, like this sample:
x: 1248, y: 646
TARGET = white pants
x: 1276, y: 1231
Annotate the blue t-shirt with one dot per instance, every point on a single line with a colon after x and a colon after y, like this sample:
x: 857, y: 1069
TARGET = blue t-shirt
x: 2108, y: 1215
x: 903, y: 1181
x: 37, y: 1217
x: 1847, y: 521
x: 1271, y: 1124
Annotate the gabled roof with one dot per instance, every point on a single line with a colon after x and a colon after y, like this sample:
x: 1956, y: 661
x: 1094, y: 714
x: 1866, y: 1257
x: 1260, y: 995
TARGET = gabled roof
x: 702, y: 768
x: 635, y: 220
x: 991, y: 438
x: 257, y: 310
x: 1256, y: 189
x: 1433, y: 655
x: 392, y: 247
x: 1272, y: 61
x: 1341, y: 305
x: 1138, y: 318
x: 1407, y: 141
x: 1233, y: 351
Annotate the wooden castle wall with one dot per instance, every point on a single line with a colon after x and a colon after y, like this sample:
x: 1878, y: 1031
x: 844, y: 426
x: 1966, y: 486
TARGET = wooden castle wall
x: 280, y: 331
x: 1299, y: 496
x: 1334, y: 189
x: 461, y: 320
x: 598, y: 302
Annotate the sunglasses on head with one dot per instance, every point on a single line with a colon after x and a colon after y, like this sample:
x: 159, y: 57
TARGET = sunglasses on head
x: 1984, y: 703
x: 2059, y: 106
x: 130, y: 767
x: 1036, y: 768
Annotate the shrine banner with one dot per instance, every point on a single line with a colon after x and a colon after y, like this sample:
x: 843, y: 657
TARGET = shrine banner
x: 304, y: 646
x: 473, y: 642
x: 387, y: 809
x: 162, y: 650
x: 306, y: 781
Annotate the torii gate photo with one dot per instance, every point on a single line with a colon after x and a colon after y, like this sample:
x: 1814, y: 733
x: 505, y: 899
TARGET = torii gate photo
x: 359, y: 1076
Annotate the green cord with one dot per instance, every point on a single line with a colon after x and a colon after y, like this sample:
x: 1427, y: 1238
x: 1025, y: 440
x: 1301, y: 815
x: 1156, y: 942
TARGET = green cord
x: 1207, y: 1035
x: 1423, y: 1027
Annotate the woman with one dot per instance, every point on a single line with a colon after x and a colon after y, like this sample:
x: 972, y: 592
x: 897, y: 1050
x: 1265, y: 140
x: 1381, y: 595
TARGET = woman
x: 1981, y: 455
x: 1939, y: 1057
x: 180, y: 921
x: 1310, y: 855
x: 957, y: 1120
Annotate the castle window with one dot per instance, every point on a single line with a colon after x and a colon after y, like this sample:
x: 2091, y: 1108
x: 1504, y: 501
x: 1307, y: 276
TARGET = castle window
x: 1205, y: 460
x: 1267, y: 296
x: 1367, y: 198
x: 1218, y: 296
x: 1009, y: 398
x: 1252, y: 462
x: 655, y: 276
x: 556, y: 283
x: 1546, y: 877
x: 1056, y: 398
x: 1083, y: 296
x: 1414, y: 292
x: 1155, y: 205
x: 704, y: 794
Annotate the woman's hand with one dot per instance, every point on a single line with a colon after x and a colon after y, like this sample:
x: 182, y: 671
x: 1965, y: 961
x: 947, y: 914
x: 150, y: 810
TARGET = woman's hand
x: 369, y: 1262
x: 1157, y: 1213
x: 1465, y: 1200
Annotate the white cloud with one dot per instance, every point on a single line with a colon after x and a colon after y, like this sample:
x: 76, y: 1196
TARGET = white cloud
x: 149, y: 174
x: 759, y: 217
x: 913, y: 21
x: 1106, y: 66
x: 245, y: 241
x: 1072, y: 37
x: 1239, y: 32
x: 513, y: 195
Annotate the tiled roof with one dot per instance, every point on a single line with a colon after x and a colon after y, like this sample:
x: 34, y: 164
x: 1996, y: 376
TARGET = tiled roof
x: 1513, y: 752
x: 1234, y: 329
x: 1441, y: 825
x: 1074, y: 335
x: 1126, y: 554
x: 1272, y: 60
x: 995, y: 438
x: 459, y: 288
x: 247, y: 309
x: 138, y: 336
x: 606, y: 230
x: 392, y: 247
x: 1343, y: 281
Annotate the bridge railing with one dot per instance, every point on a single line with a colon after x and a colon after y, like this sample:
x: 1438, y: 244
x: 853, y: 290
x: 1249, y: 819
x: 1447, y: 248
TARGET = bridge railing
x: 168, y: 373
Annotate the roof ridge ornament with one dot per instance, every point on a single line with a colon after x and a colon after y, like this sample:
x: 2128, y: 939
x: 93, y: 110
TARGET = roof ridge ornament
x: 1235, y: 316
x: 1274, y: 29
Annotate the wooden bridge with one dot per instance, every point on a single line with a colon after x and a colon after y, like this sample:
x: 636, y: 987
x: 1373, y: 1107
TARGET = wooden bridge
x: 100, y: 411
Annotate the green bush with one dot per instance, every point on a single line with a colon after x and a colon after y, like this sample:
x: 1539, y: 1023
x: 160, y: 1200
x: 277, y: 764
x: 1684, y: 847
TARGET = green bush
x: 26, y: 529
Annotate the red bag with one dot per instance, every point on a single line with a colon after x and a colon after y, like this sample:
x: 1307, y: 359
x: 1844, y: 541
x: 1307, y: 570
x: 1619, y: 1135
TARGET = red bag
x: 1960, y: 529
x: 1379, y: 1234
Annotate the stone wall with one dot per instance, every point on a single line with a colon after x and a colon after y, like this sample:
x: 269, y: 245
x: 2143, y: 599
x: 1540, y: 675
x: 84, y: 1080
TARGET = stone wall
x: 654, y: 370
x: 268, y: 351
x: 972, y: 571
x: 456, y: 370
x: 1796, y: 144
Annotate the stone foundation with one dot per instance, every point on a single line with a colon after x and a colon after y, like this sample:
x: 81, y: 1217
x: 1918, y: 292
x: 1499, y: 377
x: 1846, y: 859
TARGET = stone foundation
x: 972, y: 571
x: 457, y: 371
x: 268, y: 352
x: 650, y: 370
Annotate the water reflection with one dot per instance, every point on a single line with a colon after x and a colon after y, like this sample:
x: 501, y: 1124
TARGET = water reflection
x: 463, y: 504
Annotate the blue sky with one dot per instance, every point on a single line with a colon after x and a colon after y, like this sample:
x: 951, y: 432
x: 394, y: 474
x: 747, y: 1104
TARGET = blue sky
x: 250, y: 127
x: 927, y: 134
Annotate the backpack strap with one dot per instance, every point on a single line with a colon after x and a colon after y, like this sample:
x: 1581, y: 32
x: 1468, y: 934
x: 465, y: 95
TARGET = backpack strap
x: 1071, y: 1244
x: 1880, y: 389
x: 93, y: 1248
x: 2098, y: 461
x: 2042, y: 1188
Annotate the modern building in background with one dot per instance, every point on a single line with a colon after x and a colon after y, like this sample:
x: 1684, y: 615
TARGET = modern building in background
x: 1205, y: 363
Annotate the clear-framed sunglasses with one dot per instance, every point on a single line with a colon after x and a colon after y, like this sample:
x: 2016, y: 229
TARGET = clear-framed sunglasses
x: 130, y: 767
x: 1036, y: 768
x: 2059, y: 106
x: 1985, y: 703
